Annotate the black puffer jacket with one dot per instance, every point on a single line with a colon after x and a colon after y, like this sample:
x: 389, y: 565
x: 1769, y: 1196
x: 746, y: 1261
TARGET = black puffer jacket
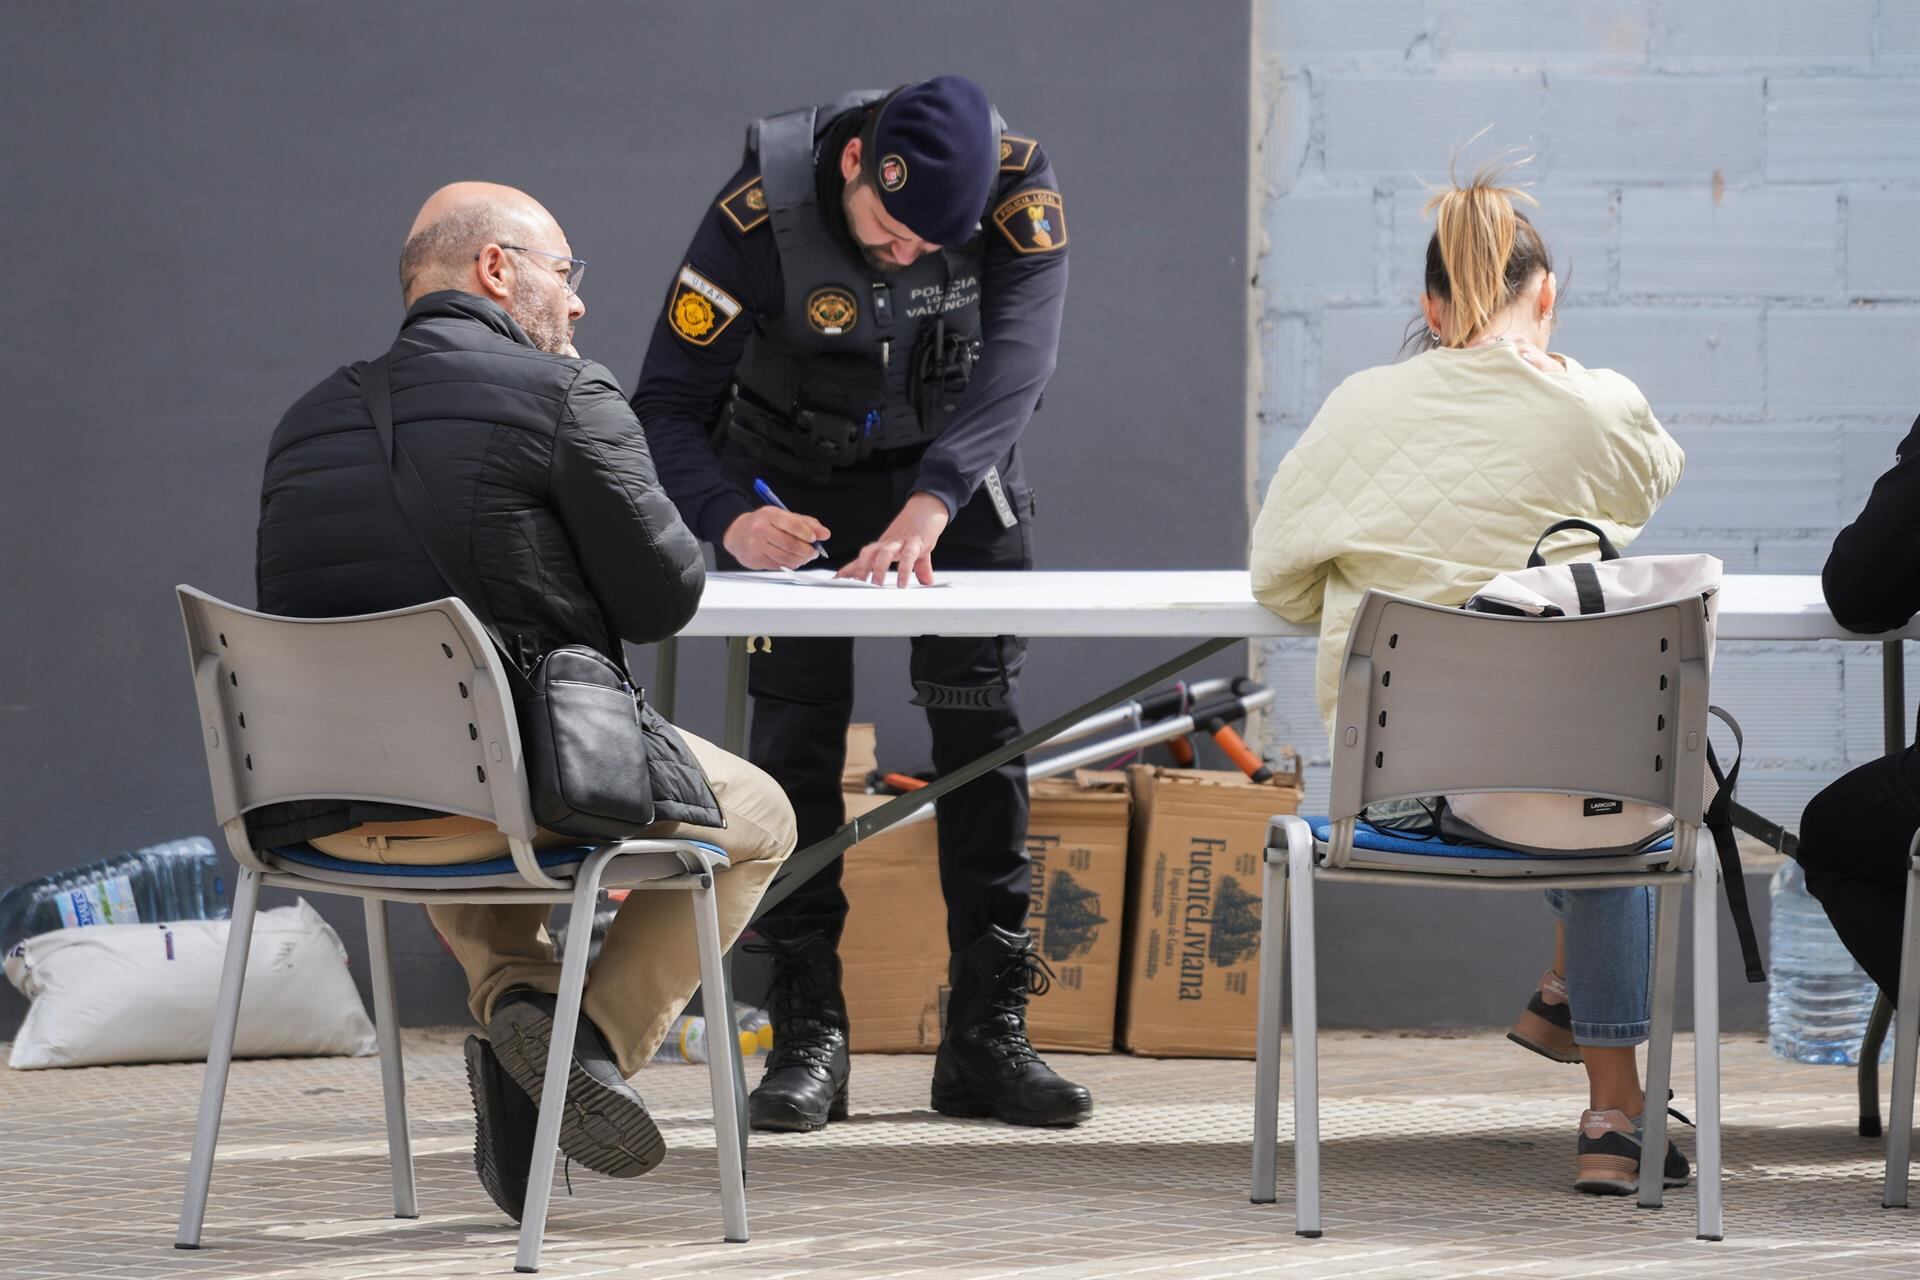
x: 538, y: 467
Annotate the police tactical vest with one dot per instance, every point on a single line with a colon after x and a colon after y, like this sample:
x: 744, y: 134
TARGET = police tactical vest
x: 859, y: 365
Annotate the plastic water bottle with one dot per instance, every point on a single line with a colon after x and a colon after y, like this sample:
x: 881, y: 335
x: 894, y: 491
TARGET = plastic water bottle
x: 179, y: 880
x: 687, y: 1038
x: 1819, y: 1000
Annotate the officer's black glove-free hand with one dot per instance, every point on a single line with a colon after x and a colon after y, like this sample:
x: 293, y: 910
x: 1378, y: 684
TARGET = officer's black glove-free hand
x: 907, y: 542
x: 769, y: 538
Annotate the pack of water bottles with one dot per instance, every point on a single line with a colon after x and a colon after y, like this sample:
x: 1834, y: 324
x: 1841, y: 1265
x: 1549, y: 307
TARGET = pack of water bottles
x: 178, y: 880
x: 687, y: 1038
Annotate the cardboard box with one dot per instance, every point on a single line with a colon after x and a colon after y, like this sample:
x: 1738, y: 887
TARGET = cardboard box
x: 861, y: 757
x: 1078, y: 835
x: 894, y: 952
x: 1193, y: 910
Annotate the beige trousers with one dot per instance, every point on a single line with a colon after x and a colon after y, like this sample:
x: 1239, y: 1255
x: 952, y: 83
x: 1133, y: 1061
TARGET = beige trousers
x: 648, y: 968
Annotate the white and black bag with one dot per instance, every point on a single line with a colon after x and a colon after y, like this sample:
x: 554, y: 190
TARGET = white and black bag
x: 1565, y: 824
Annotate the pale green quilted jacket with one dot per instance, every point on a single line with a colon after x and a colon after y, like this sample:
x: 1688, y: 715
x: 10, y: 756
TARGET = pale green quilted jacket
x: 1428, y: 477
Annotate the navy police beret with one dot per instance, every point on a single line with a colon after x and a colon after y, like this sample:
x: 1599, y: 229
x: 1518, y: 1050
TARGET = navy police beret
x: 935, y: 158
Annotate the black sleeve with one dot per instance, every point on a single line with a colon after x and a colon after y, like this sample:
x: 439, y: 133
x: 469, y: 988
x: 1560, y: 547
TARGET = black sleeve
x: 1872, y: 578
x: 641, y: 562
x: 697, y: 341
x: 1023, y: 295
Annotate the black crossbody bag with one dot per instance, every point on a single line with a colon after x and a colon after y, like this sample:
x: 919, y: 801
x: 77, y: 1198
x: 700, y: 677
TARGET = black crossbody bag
x: 581, y: 729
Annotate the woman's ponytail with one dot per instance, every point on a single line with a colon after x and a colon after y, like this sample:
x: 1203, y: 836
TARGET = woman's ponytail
x: 1483, y: 252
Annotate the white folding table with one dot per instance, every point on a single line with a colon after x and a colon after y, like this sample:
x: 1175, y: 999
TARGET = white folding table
x: 1213, y: 608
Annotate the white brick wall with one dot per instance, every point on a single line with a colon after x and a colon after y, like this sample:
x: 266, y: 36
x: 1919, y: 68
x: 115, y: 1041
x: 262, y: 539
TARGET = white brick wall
x: 1680, y: 241
x: 1768, y: 33
x: 1841, y: 128
x: 1883, y: 230
x: 1899, y: 33
x: 1654, y: 127
x: 1735, y: 185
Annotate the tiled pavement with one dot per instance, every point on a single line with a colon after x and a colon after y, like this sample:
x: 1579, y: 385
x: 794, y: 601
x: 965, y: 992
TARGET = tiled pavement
x: 1443, y: 1158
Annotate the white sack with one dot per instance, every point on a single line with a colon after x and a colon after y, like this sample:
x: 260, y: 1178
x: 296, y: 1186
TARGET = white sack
x: 146, y: 992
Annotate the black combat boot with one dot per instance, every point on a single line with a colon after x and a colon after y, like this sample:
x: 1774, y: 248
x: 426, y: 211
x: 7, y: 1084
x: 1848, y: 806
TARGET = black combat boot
x: 805, y: 1084
x: 985, y: 1066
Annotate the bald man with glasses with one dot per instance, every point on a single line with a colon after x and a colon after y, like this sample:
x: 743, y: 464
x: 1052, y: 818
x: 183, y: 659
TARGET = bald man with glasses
x: 539, y: 469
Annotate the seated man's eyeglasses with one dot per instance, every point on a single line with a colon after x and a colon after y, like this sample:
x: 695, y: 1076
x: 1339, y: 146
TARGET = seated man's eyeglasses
x: 570, y: 275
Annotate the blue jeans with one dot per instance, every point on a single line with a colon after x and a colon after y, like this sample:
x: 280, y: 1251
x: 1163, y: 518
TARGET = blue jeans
x: 1609, y: 962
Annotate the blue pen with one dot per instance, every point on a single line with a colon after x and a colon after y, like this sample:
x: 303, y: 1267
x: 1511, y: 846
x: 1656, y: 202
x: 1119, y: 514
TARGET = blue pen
x: 772, y: 499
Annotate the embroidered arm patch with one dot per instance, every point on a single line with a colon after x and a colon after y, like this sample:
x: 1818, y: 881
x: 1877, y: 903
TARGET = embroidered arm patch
x: 747, y: 207
x: 1033, y: 221
x: 699, y: 310
x: 1016, y: 153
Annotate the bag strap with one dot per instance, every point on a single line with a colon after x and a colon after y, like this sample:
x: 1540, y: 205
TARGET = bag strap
x: 1586, y: 586
x: 1719, y: 824
x: 417, y: 505
x: 1607, y: 550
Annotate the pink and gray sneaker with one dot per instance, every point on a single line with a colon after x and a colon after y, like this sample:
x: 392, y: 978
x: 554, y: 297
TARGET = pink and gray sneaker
x: 1609, y: 1155
x: 1546, y: 1024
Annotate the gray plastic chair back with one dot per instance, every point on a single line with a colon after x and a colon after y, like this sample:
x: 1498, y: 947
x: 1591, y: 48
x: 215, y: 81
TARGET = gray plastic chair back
x: 409, y: 707
x: 1437, y: 701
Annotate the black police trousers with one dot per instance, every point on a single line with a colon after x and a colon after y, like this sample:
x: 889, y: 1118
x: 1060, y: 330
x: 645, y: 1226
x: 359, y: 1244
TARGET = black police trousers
x: 803, y: 702
x: 1854, y: 839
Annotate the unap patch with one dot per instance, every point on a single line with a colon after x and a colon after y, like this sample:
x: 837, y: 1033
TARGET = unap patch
x: 747, y: 207
x: 1033, y: 221
x: 699, y: 310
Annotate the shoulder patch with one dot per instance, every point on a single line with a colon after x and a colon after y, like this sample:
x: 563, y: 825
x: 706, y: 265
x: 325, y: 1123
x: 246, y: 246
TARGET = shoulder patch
x: 699, y: 309
x: 1016, y: 152
x: 747, y: 207
x: 1033, y: 221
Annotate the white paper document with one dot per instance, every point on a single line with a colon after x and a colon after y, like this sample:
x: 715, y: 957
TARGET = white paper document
x: 816, y: 578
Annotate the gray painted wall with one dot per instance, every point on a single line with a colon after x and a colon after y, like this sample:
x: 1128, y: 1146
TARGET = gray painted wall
x: 1735, y: 190
x: 204, y: 203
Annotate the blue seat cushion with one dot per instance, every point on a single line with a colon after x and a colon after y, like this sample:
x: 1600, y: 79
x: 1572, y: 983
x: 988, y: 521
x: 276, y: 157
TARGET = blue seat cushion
x: 1368, y: 836
x: 308, y: 856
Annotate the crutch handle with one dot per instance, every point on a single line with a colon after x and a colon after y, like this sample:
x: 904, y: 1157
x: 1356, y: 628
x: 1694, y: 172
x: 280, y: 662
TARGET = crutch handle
x: 1241, y: 754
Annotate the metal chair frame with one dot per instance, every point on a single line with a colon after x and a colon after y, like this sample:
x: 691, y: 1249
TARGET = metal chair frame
x: 1437, y: 701
x: 410, y: 707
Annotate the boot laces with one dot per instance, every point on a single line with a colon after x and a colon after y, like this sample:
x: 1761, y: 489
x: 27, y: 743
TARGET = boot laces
x: 1021, y: 975
x: 802, y: 1036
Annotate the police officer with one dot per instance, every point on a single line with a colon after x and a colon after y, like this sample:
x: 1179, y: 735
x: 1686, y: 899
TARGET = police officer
x: 865, y: 322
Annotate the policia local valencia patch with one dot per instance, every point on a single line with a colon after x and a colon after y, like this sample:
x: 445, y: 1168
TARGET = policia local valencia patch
x: 700, y: 310
x: 1033, y: 221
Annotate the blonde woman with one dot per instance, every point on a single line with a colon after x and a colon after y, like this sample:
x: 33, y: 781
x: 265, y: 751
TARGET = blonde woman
x: 1429, y: 476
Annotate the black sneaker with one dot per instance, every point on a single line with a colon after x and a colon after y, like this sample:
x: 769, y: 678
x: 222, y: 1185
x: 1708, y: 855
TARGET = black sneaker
x: 504, y: 1119
x: 605, y: 1125
x: 1609, y: 1155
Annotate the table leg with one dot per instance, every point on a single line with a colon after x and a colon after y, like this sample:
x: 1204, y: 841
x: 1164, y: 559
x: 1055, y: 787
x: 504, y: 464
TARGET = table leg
x: 1893, y: 694
x: 733, y: 737
x: 666, y: 675
x: 1893, y: 710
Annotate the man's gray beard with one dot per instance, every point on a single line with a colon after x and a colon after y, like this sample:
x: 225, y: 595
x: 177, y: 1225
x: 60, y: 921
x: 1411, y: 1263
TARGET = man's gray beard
x: 544, y: 325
